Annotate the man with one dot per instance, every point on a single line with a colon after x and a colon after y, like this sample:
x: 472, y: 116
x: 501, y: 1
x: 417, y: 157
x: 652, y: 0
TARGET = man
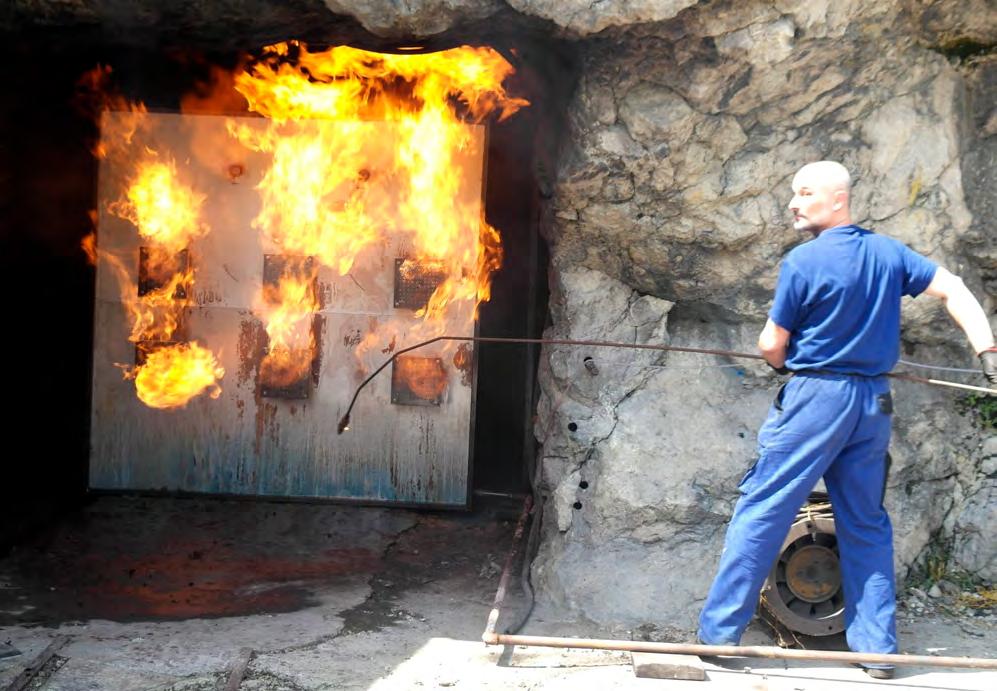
x: 834, y: 323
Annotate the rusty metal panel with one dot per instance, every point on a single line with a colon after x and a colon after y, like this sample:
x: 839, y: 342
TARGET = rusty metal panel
x: 418, y: 381
x: 245, y: 442
x: 414, y: 284
x: 148, y: 281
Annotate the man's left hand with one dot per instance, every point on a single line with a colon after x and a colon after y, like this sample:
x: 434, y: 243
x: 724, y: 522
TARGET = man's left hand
x: 988, y: 359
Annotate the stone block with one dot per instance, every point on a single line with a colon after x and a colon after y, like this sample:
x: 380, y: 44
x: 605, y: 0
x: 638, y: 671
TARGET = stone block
x: 662, y: 666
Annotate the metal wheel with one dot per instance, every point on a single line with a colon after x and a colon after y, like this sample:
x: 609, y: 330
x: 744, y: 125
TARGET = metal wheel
x: 803, y: 590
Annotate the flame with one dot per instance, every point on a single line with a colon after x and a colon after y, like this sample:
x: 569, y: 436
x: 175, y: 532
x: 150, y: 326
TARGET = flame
x: 366, y: 151
x: 283, y: 366
x: 96, y: 94
x: 164, y: 210
x: 425, y: 377
x: 172, y: 375
x: 89, y: 245
x: 157, y: 315
x: 368, y: 147
x: 287, y: 308
x: 166, y: 213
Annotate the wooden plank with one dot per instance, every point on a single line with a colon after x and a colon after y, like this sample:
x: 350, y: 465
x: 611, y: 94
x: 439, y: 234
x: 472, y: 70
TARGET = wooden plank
x: 25, y: 678
x: 239, y: 668
x: 661, y: 666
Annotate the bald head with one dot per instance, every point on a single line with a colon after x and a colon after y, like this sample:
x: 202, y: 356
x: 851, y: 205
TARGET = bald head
x: 829, y: 174
x: 821, y: 194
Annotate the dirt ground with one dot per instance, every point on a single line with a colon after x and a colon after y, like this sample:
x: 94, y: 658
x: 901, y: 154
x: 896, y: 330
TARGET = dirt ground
x: 183, y: 594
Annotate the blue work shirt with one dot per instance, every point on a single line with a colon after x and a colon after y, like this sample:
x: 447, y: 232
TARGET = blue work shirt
x: 839, y: 297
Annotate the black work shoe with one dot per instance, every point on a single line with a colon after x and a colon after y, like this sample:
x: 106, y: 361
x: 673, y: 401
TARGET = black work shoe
x: 877, y: 672
x: 712, y: 659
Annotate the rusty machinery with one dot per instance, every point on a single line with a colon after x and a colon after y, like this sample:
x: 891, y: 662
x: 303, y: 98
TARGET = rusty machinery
x: 803, y: 590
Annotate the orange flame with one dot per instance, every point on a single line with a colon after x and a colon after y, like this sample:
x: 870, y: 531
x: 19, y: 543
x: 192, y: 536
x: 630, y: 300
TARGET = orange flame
x: 95, y: 94
x: 425, y: 377
x: 367, y: 145
x: 287, y: 311
x: 167, y: 215
x: 173, y: 375
x: 89, y: 245
x: 156, y: 316
x: 366, y: 150
x: 165, y: 211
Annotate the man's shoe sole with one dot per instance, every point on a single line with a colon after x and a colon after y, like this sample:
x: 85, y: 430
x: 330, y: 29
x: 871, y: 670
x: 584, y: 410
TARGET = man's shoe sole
x: 876, y: 672
x: 879, y: 673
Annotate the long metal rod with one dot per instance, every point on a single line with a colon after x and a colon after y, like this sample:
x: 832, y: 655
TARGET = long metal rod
x: 942, y: 382
x: 344, y: 422
x: 490, y: 637
x: 770, y: 652
x: 504, y: 580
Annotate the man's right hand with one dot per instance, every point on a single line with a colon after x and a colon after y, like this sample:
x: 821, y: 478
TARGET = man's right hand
x: 988, y: 360
x: 780, y: 370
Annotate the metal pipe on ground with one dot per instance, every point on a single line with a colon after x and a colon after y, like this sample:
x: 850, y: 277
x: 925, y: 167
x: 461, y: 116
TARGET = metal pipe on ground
x: 490, y: 637
x: 507, y: 570
x: 769, y: 652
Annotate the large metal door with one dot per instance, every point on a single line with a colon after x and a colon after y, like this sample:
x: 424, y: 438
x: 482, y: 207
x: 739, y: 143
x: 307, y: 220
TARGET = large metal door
x: 410, y: 438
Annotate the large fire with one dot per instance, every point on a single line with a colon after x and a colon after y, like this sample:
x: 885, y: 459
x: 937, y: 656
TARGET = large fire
x: 363, y: 151
x: 166, y: 214
x: 346, y: 118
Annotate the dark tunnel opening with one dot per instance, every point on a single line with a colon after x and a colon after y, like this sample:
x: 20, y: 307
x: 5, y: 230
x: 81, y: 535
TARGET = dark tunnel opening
x: 49, y: 192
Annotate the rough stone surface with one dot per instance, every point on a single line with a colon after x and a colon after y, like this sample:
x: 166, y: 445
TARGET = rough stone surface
x: 412, y: 17
x: 966, y: 26
x: 670, y: 194
x: 979, y: 161
x: 587, y: 17
x: 974, y: 548
x: 957, y: 26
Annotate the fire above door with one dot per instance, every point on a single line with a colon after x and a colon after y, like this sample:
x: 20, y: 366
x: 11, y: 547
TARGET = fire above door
x: 268, y: 327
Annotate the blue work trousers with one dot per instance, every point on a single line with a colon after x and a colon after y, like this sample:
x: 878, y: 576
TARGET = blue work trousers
x: 838, y: 427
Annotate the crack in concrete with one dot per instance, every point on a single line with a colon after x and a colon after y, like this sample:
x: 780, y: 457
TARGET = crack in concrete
x: 360, y: 608
x: 378, y: 603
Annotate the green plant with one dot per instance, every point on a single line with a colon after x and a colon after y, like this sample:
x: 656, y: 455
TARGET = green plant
x: 984, y: 406
x: 936, y: 565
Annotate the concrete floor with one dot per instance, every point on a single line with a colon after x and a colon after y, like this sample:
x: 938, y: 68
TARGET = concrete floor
x: 170, y: 594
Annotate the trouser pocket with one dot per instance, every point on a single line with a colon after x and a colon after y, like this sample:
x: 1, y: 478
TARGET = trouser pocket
x: 885, y: 403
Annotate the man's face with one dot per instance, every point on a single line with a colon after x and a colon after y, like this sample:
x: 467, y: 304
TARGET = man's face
x: 812, y: 204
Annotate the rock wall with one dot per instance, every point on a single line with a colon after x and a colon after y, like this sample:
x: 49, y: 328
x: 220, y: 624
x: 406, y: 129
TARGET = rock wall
x: 667, y: 224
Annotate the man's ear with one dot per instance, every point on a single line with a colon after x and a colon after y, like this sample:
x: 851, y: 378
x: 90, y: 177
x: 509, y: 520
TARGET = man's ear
x: 840, y: 200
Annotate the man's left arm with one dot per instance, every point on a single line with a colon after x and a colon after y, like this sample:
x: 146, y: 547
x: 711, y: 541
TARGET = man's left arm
x: 967, y: 312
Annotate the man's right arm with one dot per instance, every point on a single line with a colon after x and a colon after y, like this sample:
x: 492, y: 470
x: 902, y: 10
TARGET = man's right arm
x: 773, y: 342
x: 967, y: 312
